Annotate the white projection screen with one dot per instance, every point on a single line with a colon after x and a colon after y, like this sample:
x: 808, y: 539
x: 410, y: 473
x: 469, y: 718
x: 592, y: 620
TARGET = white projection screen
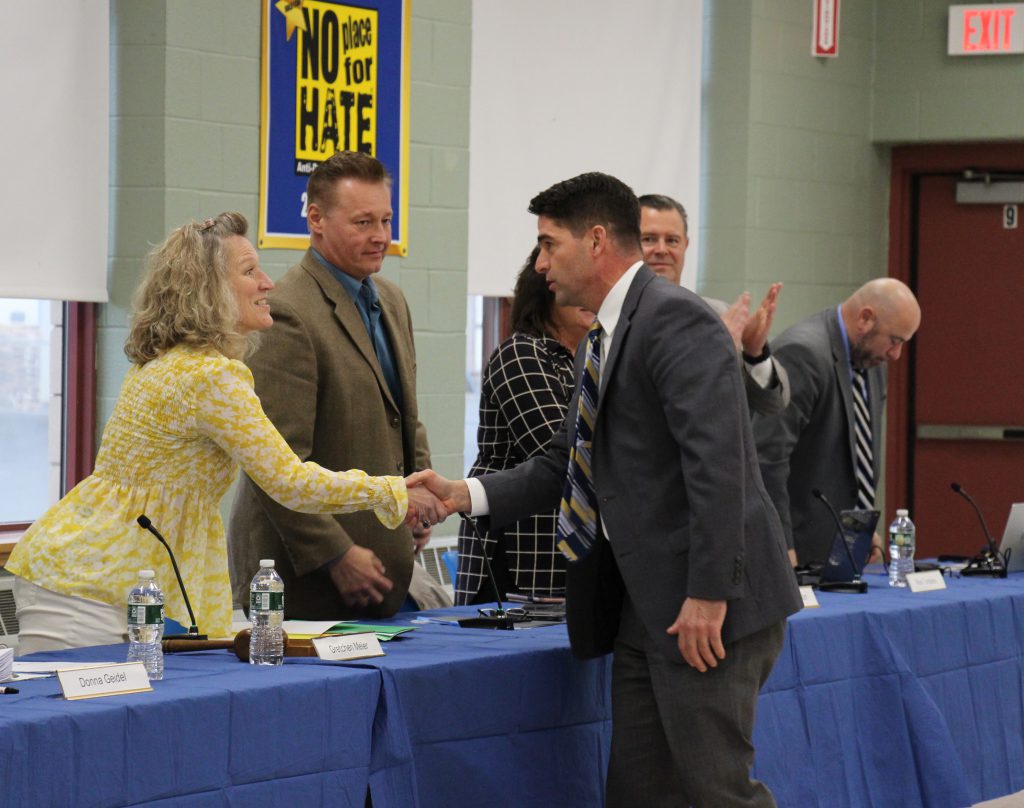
x: 560, y: 87
x: 54, y: 149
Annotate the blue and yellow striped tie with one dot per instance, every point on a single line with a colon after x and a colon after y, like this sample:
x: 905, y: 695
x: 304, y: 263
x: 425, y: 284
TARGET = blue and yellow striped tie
x: 577, y: 517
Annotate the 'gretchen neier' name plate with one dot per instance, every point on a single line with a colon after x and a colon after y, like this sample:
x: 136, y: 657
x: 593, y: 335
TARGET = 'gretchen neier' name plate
x: 104, y: 680
x: 348, y: 646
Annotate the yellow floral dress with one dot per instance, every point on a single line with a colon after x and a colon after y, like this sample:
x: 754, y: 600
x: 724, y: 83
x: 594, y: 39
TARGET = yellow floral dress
x: 182, y: 425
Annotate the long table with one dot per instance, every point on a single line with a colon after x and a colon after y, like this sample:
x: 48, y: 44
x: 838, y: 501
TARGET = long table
x: 889, y: 698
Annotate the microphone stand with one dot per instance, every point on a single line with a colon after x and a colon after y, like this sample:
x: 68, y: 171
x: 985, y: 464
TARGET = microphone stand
x: 193, y: 631
x: 989, y: 561
x: 856, y: 586
x: 500, y: 619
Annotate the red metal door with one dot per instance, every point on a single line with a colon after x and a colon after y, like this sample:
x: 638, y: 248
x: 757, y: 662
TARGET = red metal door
x: 967, y: 374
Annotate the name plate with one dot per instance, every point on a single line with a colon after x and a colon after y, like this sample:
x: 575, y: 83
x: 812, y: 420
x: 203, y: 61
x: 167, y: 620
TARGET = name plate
x: 104, y: 680
x: 926, y: 581
x: 809, y: 598
x: 348, y: 646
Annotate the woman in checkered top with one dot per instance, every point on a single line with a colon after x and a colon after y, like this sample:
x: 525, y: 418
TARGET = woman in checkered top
x: 523, y: 398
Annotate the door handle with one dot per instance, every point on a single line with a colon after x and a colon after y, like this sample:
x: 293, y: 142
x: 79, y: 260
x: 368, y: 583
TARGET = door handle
x: 968, y: 432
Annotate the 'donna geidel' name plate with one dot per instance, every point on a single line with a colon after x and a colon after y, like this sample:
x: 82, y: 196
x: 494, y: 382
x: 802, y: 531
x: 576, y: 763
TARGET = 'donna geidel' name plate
x: 348, y: 646
x: 104, y: 680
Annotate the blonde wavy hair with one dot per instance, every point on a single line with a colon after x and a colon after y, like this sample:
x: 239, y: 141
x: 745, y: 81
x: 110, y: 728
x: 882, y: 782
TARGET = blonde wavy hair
x: 186, y: 296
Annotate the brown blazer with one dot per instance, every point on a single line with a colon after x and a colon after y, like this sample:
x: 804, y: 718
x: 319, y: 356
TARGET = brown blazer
x: 321, y: 385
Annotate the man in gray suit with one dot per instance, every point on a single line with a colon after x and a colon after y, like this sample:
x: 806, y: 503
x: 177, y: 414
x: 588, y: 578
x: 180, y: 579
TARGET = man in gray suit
x: 812, y: 444
x: 664, y: 237
x: 687, y: 579
x: 337, y: 376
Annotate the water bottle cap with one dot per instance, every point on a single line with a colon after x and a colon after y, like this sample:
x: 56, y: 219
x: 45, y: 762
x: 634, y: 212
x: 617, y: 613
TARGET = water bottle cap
x: 146, y: 574
x: 267, y: 562
x: 902, y: 512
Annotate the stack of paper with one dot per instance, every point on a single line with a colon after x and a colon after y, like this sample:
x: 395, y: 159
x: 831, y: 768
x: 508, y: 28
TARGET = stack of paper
x: 6, y: 663
x: 307, y: 629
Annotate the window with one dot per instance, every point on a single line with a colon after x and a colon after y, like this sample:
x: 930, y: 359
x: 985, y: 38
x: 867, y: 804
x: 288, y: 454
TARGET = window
x: 487, y: 324
x: 46, y: 403
x: 30, y: 393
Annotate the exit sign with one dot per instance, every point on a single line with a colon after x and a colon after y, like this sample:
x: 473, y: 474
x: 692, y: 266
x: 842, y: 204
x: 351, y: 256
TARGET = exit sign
x: 989, y: 30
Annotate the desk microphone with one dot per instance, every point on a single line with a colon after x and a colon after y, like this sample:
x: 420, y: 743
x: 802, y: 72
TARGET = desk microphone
x: 856, y: 586
x: 500, y: 619
x: 193, y: 631
x: 989, y: 561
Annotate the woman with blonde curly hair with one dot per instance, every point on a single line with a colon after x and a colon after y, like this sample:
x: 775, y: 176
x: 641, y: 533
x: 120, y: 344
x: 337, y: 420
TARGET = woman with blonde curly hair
x: 186, y: 418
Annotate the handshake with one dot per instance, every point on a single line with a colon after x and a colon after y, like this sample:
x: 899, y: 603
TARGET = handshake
x: 432, y: 498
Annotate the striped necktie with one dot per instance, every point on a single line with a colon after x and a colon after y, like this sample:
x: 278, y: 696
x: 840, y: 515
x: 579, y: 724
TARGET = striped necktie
x: 577, y: 517
x: 864, y: 460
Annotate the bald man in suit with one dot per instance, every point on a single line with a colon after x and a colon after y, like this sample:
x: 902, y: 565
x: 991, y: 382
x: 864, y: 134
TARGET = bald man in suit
x: 812, y: 444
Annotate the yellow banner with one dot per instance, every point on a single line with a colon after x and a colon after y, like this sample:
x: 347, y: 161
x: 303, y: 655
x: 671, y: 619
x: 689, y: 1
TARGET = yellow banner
x: 336, y: 81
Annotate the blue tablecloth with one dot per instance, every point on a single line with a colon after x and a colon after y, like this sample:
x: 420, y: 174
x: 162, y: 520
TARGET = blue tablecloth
x: 449, y: 716
x: 888, y: 698
x: 214, y: 732
x: 898, y: 699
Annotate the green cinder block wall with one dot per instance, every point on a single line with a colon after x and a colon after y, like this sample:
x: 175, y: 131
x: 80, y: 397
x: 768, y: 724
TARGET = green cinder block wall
x: 796, y: 149
x: 185, y: 93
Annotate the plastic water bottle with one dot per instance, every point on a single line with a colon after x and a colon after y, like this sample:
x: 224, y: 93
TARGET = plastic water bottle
x: 902, y: 540
x: 266, y: 610
x: 146, y: 624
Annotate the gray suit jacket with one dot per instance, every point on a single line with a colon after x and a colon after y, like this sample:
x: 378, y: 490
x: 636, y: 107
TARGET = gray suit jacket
x: 810, y: 444
x: 319, y: 381
x: 677, y: 481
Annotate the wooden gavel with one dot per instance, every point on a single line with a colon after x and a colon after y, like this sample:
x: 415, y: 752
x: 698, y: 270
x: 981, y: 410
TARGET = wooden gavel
x: 240, y: 645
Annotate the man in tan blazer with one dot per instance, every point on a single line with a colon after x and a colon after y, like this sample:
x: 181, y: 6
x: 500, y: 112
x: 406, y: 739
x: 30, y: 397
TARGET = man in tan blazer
x: 337, y: 376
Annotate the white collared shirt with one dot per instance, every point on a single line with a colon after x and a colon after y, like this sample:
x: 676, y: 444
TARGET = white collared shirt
x: 608, y: 315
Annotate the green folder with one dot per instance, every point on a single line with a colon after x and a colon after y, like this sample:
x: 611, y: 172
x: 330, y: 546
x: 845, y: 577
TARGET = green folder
x: 384, y: 633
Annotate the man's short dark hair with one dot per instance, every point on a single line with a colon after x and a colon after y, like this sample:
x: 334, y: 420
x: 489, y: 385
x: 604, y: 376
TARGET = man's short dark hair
x: 342, y: 165
x: 662, y: 202
x: 592, y: 199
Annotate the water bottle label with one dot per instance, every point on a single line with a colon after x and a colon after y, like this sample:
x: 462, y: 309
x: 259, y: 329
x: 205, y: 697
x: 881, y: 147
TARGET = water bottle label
x: 902, y: 539
x: 266, y: 601
x: 140, y: 614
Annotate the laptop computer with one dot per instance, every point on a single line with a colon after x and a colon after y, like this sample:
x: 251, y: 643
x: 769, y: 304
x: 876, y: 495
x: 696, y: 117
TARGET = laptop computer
x: 859, y: 528
x: 1013, y: 538
x: 833, y: 566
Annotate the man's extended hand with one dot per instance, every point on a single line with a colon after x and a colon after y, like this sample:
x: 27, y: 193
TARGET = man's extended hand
x: 755, y: 330
x: 454, y: 494
x: 359, y: 577
x: 698, y: 631
x: 425, y: 509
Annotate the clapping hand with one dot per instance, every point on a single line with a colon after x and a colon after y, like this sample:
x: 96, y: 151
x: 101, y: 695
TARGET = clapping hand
x: 759, y: 323
x: 749, y: 329
x: 736, y: 318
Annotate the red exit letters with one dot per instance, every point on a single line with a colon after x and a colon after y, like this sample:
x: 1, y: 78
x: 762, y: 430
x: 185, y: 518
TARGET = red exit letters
x: 987, y: 29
